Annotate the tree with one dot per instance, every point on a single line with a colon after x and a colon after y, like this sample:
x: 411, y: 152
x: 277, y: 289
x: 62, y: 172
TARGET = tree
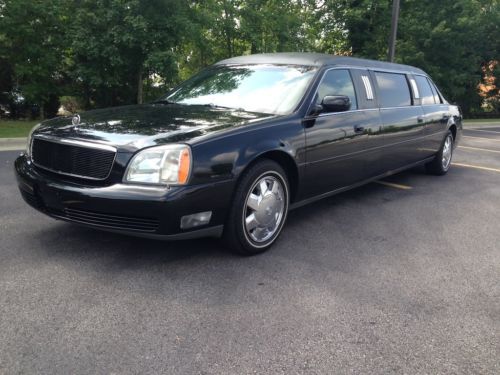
x: 34, y: 43
x: 112, y: 52
x: 450, y: 39
x: 117, y: 44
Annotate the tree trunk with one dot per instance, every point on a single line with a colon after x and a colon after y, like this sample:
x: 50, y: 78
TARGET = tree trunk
x: 227, y: 29
x: 139, y: 86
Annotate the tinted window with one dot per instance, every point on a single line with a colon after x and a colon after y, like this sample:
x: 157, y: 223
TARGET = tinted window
x: 337, y: 82
x: 425, y: 90
x: 393, y: 89
x: 437, y: 98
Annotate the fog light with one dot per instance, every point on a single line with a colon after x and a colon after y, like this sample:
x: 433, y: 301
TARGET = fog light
x: 195, y: 220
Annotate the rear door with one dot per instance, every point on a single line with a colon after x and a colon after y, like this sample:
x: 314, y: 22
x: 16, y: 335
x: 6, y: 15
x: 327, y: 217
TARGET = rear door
x: 436, y: 113
x: 402, y: 120
x: 339, y: 144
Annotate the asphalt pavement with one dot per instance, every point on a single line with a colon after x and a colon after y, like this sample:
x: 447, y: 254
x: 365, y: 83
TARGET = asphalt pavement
x: 396, y: 277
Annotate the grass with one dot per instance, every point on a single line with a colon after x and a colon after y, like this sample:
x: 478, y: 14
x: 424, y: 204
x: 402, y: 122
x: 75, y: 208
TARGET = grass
x: 481, y: 121
x: 15, y: 128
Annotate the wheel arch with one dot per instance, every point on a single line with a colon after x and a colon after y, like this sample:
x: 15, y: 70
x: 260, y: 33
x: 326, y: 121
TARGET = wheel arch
x: 285, y: 160
x: 453, y: 129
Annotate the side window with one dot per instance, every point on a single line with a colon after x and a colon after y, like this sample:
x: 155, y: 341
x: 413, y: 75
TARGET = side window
x: 393, y: 89
x: 425, y: 90
x: 337, y: 82
x: 437, y: 98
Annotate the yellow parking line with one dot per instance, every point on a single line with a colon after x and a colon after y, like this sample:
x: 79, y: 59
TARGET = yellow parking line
x: 477, y: 167
x: 483, y: 139
x: 397, y: 186
x: 479, y: 149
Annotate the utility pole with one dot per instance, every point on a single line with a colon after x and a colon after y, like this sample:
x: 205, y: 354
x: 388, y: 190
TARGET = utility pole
x: 394, y: 30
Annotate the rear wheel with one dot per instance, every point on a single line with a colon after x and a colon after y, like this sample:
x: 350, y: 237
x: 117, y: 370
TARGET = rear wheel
x: 259, y: 209
x: 441, y: 163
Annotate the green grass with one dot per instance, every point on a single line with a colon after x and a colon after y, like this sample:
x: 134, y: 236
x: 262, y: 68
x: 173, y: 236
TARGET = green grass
x: 15, y: 129
x: 481, y: 121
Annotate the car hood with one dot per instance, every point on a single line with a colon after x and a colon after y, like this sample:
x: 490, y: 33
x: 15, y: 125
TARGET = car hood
x: 137, y: 126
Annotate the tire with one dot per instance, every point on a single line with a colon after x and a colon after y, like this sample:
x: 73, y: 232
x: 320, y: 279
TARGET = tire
x: 263, y: 192
x: 441, y: 163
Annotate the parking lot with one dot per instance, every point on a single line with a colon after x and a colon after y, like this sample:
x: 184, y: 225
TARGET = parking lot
x: 401, y: 276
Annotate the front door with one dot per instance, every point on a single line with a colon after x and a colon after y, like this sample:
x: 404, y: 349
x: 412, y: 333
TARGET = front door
x: 339, y: 144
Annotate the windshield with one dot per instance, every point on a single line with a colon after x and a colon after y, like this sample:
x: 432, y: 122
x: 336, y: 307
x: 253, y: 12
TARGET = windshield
x: 273, y: 89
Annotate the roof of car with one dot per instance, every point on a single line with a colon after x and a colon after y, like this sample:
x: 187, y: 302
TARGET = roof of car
x: 317, y: 59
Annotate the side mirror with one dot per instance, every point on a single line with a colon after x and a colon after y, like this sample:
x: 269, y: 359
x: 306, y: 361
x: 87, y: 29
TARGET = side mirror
x: 336, y: 103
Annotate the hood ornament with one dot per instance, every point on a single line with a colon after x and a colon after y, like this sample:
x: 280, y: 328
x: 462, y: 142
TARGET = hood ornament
x: 76, y: 120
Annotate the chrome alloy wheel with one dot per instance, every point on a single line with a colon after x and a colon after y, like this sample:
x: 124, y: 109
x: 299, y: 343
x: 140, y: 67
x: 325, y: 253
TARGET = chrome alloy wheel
x: 447, y: 152
x: 265, y: 208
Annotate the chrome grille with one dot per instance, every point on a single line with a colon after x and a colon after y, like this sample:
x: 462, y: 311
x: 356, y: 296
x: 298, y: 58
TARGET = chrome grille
x: 73, y: 158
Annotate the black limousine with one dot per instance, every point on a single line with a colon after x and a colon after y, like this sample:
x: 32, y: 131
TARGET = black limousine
x: 230, y: 151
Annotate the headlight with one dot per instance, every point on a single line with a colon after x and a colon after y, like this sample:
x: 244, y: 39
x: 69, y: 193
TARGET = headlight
x: 30, y: 139
x: 162, y: 165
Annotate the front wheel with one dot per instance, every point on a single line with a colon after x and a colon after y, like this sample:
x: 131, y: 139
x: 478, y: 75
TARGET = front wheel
x: 259, y: 209
x: 441, y: 163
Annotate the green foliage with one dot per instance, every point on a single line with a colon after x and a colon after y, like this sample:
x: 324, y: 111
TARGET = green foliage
x: 111, y: 52
x: 33, y: 41
x: 451, y: 42
x: 116, y: 44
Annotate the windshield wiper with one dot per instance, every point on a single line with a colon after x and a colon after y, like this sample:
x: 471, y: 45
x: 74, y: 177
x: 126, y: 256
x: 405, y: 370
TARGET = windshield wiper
x: 212, y: 105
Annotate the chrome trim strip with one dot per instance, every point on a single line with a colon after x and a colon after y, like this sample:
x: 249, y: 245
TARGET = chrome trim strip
x: 73, y: 143
x: 340, y: 113
x: 368, y: 87
x: 401, y: 107
x: 416, y: 94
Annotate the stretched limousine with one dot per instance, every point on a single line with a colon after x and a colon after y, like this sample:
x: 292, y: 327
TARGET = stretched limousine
x: 230, y: 151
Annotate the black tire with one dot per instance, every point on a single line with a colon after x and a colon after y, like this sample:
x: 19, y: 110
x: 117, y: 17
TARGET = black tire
x: 438, y: 166
x: 236, y: 236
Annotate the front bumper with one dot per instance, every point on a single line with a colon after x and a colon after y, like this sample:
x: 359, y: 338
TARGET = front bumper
x: 144, y: 211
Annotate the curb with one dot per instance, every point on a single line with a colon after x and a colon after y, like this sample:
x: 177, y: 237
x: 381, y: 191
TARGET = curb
x: 12, y: 144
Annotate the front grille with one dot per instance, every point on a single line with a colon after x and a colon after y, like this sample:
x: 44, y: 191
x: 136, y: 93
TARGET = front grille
x: 121, y: 222
x: 72, y: 159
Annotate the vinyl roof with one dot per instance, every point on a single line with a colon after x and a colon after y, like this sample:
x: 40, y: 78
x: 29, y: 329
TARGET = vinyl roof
x: 317, y: 59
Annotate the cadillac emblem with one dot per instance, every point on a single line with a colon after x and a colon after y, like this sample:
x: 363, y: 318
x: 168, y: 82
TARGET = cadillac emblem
x: 75, y: 120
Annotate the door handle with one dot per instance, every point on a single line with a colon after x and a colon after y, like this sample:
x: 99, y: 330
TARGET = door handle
x: 420, y: 119
x: 359, y: 129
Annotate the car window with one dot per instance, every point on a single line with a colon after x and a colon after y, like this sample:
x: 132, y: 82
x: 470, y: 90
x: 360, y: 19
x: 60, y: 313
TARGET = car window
x: 393, y: 89
x: 437, y: 98
x: 337, y: 82
x: 425, y: 90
